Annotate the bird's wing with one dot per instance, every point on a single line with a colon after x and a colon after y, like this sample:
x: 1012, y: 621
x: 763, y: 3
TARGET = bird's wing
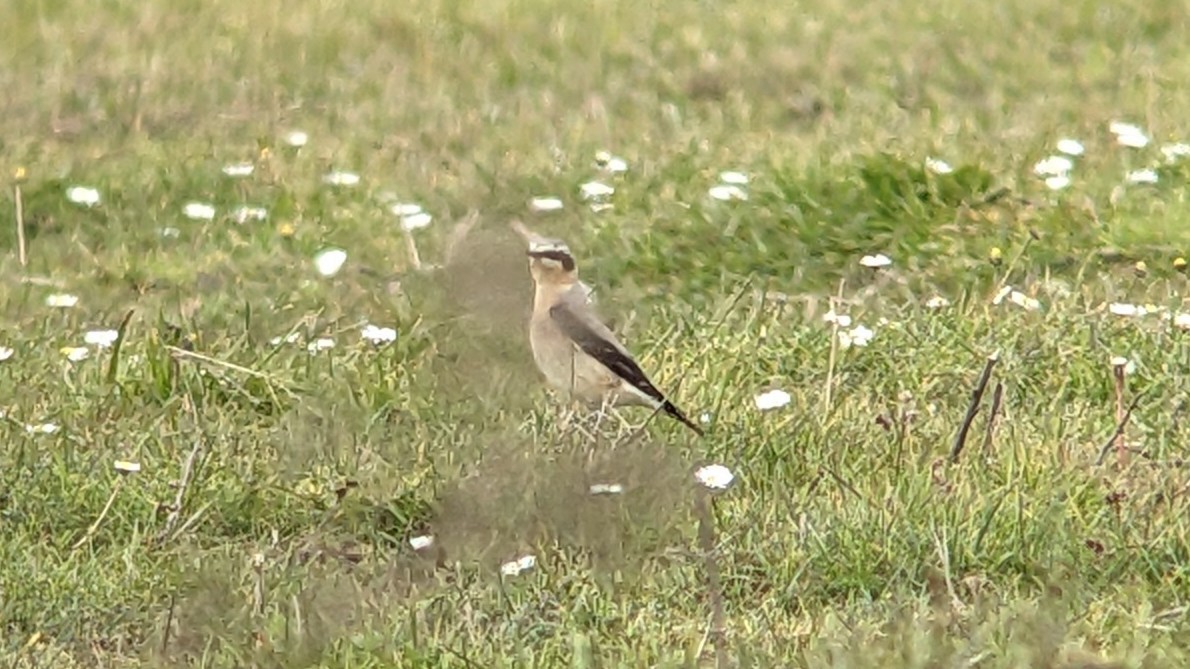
x: 577, y: 322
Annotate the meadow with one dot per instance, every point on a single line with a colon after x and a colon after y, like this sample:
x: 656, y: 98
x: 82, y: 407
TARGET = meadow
x: 266, y: 397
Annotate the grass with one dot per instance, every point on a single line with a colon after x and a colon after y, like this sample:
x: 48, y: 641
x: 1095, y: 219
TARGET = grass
x: 278, y: 490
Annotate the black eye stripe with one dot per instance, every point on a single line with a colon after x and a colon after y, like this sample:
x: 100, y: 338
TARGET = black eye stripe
x: 566, y: 260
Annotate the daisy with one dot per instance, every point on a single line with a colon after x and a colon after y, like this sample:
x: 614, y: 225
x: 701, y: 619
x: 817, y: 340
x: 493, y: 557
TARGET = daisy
x: 377, y: 335
x: 727, y: 193
x: 199, y: 211
x: 519, y: 565
x: 330, y: 261
x: 239, y: 169
x: 545, y: 204
x: 84, y: 195
x: 714, y: 477
x: 338, y: 178
x: 772, y: 399
x: 101, y: 338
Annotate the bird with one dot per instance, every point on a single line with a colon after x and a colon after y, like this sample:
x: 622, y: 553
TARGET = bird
x: 575, y: 351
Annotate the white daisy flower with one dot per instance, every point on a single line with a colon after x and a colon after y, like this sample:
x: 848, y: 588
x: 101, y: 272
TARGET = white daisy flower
x: 727, y: 193
x: 1127, y: 310
x: 519, y: 565
x: 339, y: 178
x: 859, y: 335
x: 296, y: 138
x: 1122, y: 128
x: 842, y: 320
x: 1173, y: 152
x: 243, y: 214
x: 199, y: 211
x: 734, y: 178
x: 418, y: 543
x: 616, y: 165
x: 545, y: 204
x: 1053, y: 166
x: 61, y: 301
x: 101, y: 338
x: 42, y: 428
x: 6, y: 353
x: 1133, y: 141
x: 878, y: 260
x: 606, y: 488
x: 1129, y: 135
x: 938, y: 166
x: 239, y: 169
x: 84, y: 195
x: 1182, y: 320
x: 1119, y: 361
x: 416, y: 221
x: 1024, y: 301
x: 402, y: 209
x: 1057, y: 182
x: 330, y: 261
x: 290, y: 338
x: 377, y: 335
x: 320, y: 344
x: 772, y: 399
x: 594, y: 190
x: 169, y: 233
x: 126, y: 466
x: 1071, y: 147
x: 714, y: 477
x: 705, y: 417
x: 937, y: 302
x: 75, y: 353
x: 1145, y: 176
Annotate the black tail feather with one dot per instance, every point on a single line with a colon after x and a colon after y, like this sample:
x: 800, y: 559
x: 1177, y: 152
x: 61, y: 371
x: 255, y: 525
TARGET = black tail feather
x: 669, y: 408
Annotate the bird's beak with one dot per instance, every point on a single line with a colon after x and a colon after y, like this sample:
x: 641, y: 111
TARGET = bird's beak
x: 524, y: 232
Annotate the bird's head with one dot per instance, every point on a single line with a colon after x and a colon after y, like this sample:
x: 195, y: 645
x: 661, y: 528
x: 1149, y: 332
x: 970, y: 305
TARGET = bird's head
x: 550, y: 260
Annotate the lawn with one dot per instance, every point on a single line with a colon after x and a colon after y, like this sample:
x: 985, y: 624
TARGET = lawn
x: 830, y: 217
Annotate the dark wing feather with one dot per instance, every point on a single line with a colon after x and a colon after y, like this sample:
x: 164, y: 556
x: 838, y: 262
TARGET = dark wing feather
x: 598, y: 342
x: 602, y: 347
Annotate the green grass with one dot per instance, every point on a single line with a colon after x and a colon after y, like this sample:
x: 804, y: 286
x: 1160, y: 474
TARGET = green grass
x: 847, y: 539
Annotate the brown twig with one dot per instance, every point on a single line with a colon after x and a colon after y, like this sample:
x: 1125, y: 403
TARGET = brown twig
x: 703, y: 502
x: 169, y: 623
x: 1119, y: 372
x: 973, y: 408
x: 1120, y: 426
x: 989, y: 430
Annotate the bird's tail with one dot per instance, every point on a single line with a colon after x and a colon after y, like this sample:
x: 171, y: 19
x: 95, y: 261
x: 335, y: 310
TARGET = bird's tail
x: 669, y: 408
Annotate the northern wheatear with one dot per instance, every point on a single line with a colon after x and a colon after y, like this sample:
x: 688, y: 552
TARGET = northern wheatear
x: 575, y: 351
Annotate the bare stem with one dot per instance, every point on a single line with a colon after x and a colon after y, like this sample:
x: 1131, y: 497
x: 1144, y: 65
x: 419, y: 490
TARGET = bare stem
x: 175, y: 511
x: 411, y: 247
x: 102, y: 514
x: 16, y: 196
x: 1120, y: 425
x: 703, y: 503
x: 830, y: 362
x: 990, y: 429
x: 1119, y: 373
x: 973, y: 407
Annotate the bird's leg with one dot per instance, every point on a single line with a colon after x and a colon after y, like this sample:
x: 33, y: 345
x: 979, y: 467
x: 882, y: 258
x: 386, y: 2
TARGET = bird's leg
x: 603, y: 405
x: 573, y: 419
